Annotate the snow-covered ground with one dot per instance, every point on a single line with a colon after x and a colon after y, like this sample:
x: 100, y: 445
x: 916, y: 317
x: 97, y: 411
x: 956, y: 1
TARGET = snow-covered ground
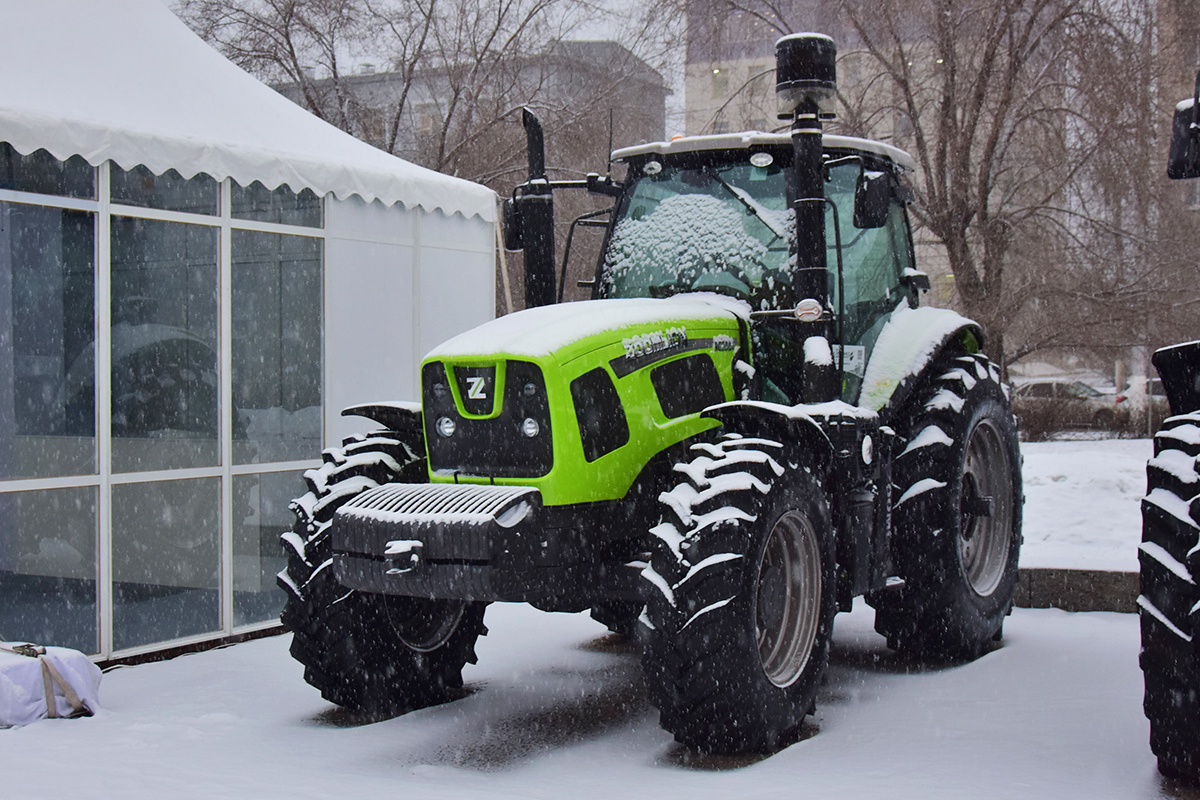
x: 1083, y: 503
x: 557, y: 709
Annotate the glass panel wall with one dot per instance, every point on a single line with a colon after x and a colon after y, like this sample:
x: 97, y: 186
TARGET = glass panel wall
x: 48, y: 567
x: 276, y: 347
x: 165, y: 381
x: 261, y: 514
x: 47, y: 363
x: 161, y: 538
x: 166, y: 551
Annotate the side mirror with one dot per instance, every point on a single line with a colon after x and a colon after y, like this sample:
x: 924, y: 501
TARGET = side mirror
x: 872, y: 197
x: 510, y: 223
x: 1184, y: 161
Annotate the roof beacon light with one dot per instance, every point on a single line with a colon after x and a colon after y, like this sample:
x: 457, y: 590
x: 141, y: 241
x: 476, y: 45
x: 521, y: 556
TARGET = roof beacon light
x: 805, y: 69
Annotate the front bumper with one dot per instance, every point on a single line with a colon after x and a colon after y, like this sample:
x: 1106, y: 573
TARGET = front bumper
x: 473, y: 542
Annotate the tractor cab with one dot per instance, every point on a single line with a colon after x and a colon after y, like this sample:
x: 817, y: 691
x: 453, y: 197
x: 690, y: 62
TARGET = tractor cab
x: 714, y: 214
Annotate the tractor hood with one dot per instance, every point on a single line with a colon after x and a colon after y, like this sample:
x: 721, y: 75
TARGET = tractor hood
x: 565, y: 332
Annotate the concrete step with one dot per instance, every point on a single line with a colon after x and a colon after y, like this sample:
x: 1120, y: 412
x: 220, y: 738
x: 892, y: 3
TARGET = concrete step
x: 1077, y: 590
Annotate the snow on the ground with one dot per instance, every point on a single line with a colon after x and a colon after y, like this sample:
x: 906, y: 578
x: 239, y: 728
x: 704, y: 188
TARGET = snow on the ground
x: 557, y: 710
x: 1083, y: 503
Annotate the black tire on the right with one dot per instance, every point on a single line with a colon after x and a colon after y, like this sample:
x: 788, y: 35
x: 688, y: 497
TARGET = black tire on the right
x: 957, y: 516
x: 1167, y: 604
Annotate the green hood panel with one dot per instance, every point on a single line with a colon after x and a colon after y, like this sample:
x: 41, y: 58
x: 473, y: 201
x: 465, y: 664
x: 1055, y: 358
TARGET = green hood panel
x: 562, y: 333
x: 623, y: 380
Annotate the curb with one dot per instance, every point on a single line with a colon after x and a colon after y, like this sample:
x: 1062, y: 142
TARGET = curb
x: 1077, y: 590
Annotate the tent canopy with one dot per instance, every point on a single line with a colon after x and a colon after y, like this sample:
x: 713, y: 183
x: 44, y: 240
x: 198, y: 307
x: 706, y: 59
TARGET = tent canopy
x: 126, y: 80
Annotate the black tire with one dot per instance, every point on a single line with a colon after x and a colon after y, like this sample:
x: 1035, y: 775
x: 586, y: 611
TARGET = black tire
x: 733, y: 649
x: 370, y: 653
x: 955, y: 551
x: 1169, y: 595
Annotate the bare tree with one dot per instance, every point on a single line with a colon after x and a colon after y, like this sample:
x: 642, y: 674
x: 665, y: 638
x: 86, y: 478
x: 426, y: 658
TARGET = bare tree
x: 981, y: 96
x: 457, y: 71
x: 1037, y: 126
x: 287, y: 41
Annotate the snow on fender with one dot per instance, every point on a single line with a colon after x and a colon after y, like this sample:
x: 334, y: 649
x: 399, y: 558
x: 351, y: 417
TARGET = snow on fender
x: 29, y: 675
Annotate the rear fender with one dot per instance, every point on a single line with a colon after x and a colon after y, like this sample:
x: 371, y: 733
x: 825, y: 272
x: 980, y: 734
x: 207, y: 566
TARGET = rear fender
x: 908, y: 344
x: 1179, y: 368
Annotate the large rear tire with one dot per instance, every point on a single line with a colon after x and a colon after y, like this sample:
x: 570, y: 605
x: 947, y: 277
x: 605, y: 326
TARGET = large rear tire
x: 370, y: 653
x: 1170, y: 619
x: 740, y: 598
x: 957, y: 517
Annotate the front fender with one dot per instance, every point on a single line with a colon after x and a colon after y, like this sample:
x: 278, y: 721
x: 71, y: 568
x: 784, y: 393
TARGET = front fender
x: 789, y: 425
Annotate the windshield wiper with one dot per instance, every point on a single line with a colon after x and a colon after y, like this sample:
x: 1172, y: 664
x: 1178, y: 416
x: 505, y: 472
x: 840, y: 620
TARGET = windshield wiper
x: 752, y: 206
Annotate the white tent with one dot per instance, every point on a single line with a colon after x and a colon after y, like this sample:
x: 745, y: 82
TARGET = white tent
x: 177, y: 342
x: 126, y: 80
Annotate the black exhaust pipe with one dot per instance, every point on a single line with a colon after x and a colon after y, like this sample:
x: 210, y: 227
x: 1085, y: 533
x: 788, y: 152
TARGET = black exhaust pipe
x: 535, y: 209
x: 805, y: 83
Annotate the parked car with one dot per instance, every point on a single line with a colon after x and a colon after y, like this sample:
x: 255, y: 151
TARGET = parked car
x: 1054, y: 404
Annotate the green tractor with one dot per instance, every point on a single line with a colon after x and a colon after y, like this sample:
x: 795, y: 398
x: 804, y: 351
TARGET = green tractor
x: 752, y: 423
x: 1169, y: 556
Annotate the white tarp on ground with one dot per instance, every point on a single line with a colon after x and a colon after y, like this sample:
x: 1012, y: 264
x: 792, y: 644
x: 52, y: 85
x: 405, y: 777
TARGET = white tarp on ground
x: 126, y: 80
x: 23, y: 681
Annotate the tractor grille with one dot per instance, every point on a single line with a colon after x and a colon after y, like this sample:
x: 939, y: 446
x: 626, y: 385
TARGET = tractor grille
x: 433, y: 503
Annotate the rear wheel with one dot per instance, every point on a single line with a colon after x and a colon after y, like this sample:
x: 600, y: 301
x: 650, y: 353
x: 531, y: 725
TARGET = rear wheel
x: 957, y: 517
x: 740, y: 598
x: 371, y: 653
x: 1169, y: 596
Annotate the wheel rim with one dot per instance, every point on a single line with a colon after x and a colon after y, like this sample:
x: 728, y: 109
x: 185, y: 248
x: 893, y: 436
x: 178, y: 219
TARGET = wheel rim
x: 985, y: 507
x: 788, y: 601
x: 423, y: 625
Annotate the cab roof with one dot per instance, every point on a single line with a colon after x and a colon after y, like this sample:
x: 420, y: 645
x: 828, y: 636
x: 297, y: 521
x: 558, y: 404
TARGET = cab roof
x: 747, y: 139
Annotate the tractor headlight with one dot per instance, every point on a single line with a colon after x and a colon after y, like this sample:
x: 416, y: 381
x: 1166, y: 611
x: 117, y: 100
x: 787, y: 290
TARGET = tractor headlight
x: 445, y: 426
x: 530, y: 427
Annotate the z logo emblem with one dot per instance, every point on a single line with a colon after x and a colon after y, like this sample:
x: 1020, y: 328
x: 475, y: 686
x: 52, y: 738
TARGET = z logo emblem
x: 476, y: 388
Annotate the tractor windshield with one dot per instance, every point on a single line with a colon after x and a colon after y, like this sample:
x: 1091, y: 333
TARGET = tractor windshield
x: 726, y: 228
x: 719, y: 228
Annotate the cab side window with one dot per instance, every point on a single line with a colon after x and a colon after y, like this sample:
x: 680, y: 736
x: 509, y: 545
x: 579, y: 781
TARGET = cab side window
x: 873, y: 262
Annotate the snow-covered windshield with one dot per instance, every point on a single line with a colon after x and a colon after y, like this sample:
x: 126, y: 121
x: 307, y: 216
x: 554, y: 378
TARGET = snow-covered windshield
x: 719, y: 228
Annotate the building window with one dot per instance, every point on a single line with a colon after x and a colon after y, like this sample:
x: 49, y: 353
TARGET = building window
x: 261, y: 514
x: 42, y: 173
x: 176, y: 305
x: 720, y: 82
x: 281, y: 206
x: 166, y: 560
x: 169, y: 191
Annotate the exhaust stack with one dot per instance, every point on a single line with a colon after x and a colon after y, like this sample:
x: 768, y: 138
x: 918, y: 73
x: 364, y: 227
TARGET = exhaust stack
x: 805, y: 85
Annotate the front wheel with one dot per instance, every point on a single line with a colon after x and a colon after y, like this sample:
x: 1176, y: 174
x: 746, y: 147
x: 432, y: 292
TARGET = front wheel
x: 369, y: 653
x: 740, y: 598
